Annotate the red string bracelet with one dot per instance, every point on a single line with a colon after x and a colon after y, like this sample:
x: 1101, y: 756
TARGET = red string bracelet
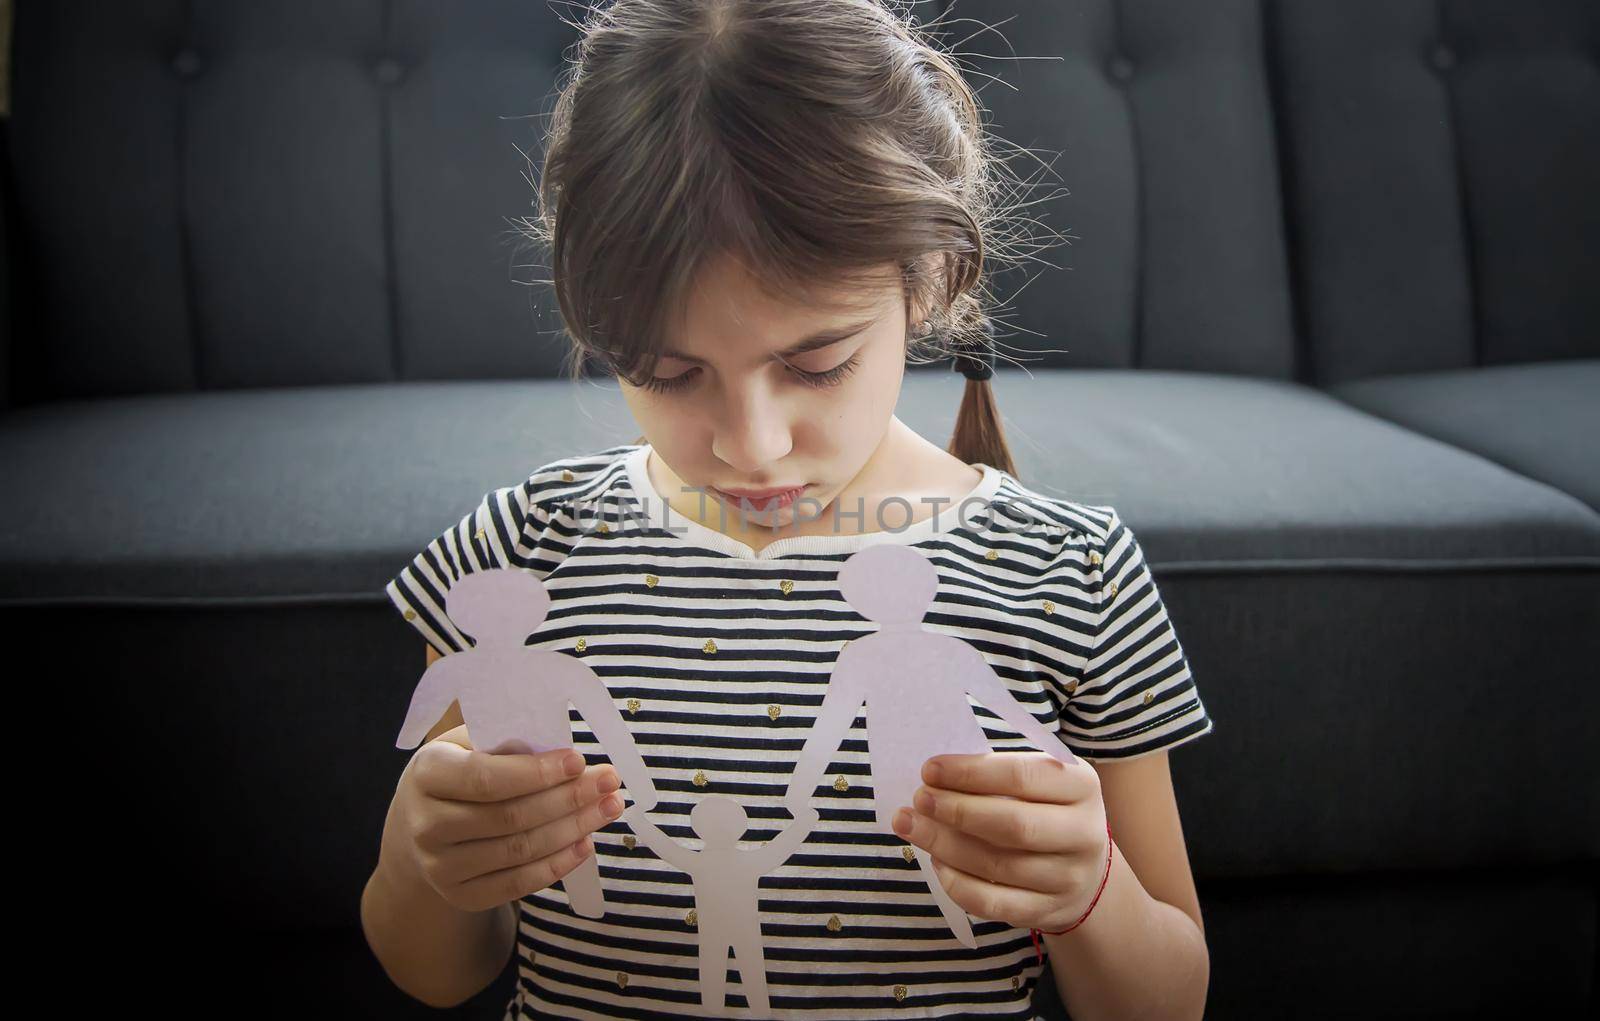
x: 1036, y: 933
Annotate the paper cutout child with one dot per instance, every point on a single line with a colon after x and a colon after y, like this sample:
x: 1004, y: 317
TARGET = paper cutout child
x: 726, y: 890
x: 514, y: 698
x: 915, y: 684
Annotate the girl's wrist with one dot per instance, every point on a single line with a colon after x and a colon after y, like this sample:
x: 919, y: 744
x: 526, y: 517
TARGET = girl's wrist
x: 1099, y: 891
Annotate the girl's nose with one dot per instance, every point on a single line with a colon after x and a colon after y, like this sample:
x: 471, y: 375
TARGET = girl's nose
x: 752, y: 430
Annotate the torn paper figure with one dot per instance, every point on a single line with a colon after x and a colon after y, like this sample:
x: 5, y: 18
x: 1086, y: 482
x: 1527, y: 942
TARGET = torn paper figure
x: 514, y: 698
x: 726, y: 891
x: 915, y: 685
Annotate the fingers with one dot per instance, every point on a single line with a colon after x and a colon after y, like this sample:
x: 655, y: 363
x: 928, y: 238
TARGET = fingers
x: 1031, y: 776
x: 457, y: 736
x: 512, y: 884
x: 478, y: 858
x: 446, y: 769
x: 1005, y: 822
x: 458, y: 821
x: 990, y: 900
x: 1028, y: 870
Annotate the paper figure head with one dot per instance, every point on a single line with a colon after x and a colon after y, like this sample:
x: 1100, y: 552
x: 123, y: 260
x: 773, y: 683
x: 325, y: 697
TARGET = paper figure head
x: 500, y: 605
x: 889, y: 583
x: 718, y: 820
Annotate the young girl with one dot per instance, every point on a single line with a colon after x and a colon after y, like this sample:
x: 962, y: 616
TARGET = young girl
x: 758, y: 212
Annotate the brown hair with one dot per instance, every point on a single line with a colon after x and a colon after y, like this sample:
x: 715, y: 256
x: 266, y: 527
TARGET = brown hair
x: 809, y: 139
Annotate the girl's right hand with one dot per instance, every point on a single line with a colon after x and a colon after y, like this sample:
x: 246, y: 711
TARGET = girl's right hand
x: 484, y: 830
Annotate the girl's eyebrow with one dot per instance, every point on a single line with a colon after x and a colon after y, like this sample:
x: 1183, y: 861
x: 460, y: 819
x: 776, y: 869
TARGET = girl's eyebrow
x: 811, y: 343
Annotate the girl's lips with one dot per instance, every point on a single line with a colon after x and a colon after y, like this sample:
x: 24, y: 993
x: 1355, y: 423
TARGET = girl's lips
x: 772, y: 500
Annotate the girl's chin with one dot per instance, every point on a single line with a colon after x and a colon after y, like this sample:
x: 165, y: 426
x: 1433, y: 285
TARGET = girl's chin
x: 775, y: 520
x: 771, y: 520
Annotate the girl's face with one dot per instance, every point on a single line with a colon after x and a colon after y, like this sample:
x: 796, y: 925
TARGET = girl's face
x: 754, y: 394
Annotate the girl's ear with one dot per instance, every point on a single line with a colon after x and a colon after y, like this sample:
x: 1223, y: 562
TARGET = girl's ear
x: 916, y: 318
x: 916, y: 312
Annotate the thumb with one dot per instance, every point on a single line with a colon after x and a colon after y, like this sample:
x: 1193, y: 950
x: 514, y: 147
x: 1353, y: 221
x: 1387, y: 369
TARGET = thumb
x: 456, y: 736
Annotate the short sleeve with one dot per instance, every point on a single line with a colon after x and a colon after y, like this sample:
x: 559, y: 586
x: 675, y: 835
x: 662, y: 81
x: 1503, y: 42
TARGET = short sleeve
x: 1136, y: 695
x: 506, y: 528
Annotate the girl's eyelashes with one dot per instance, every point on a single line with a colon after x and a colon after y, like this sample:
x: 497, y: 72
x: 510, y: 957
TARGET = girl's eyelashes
x: 833, y: 376
x: 819, y: 380
x: 677, y: 382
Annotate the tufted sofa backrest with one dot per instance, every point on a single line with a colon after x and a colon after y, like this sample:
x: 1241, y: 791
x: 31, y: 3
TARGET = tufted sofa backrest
x: 1441, y: 160
x: 278, y: 193
x: 1155, y: 116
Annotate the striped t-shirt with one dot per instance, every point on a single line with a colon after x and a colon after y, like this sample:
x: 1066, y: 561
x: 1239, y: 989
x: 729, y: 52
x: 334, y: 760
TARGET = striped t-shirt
x: 1054, y: 594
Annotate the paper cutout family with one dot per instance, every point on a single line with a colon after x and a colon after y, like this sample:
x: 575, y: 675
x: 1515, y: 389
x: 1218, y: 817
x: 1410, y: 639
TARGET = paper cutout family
x: 914, y: 682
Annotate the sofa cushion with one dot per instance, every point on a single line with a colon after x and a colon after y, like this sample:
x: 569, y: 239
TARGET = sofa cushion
x: 286, y: 492
x: 1439, y: 181
x: 329, y: 203
x: 1539, y: 419
x: 1147, y: 131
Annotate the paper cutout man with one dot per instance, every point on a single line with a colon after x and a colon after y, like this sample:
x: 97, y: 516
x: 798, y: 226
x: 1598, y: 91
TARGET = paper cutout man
x: 514, y: 698
x: 915, y: 684
x: 726, y: 890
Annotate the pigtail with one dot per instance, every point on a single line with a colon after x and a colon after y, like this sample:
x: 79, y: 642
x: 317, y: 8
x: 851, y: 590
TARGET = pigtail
x: 979, y: 432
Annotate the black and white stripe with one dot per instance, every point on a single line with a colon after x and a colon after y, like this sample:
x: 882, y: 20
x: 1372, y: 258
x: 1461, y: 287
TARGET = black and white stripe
x: 709, y: 711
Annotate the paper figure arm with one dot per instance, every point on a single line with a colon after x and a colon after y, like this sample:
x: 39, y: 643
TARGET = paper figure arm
x: 778, y: 850
x: 429, y: 701
x: 594, y: 704
x: 667, y: 849
x: 981, y: 682
x: 840, y: 707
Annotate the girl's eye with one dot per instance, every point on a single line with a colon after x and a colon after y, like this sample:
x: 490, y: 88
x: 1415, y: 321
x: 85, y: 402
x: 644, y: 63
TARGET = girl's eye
x: 677, y: 382
x: 820, y: 380
x: 833, y: 376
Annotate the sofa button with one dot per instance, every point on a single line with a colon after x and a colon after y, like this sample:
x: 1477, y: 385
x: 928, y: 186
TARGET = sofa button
x: 186, y: 62
x: 388, y: 71
x: 1120, y: 68
x: 1442, y: 57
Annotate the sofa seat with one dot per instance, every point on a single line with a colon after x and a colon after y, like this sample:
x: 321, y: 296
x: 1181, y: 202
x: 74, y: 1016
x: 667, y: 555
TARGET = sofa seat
x: 1536, y: 418
x: 325, y: 491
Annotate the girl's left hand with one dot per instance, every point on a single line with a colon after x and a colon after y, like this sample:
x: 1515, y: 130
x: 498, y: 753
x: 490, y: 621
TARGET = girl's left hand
x: 1018, y: 837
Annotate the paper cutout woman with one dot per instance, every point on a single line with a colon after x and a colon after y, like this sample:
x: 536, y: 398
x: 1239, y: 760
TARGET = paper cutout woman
x: 726, y: 891
x: 514, y: 698
x: 915, y: 684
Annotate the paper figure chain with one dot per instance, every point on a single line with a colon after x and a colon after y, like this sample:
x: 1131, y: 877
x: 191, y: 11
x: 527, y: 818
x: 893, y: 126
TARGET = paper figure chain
x: 914, y: 683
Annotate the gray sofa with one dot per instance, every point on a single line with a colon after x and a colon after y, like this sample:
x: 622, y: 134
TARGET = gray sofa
x: 1328, y: 336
